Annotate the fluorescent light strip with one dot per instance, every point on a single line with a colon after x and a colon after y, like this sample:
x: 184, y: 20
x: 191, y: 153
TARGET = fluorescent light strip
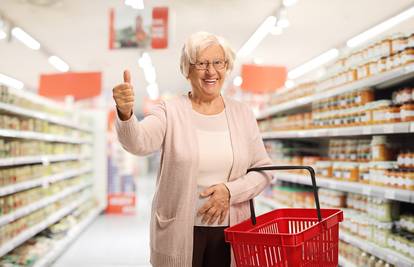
x: 313, y: 63
x: 3, y: 35
x: 9, y: 81
x: 58, y: 63
x: 257, y: 36
x: 380, y: 28
x: 25, y: 38
x: 136, y: 4
x: 153, y: 91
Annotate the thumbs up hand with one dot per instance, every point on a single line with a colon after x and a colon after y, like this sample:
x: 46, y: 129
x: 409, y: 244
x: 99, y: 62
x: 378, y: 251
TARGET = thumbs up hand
x: 123, y: 95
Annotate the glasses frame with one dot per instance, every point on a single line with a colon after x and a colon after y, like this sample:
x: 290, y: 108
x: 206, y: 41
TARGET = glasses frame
x: 208, y: 65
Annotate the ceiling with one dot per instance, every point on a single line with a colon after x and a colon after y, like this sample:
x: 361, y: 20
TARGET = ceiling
x: 77, y: 31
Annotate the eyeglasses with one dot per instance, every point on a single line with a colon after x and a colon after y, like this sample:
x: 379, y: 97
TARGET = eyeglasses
x: 217, y: 64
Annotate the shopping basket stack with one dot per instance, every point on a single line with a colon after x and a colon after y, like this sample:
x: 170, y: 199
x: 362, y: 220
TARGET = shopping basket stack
x: 287, y: 237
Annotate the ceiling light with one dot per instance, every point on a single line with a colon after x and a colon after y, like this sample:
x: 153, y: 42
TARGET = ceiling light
x: 150, y: 75
x: 9, y: 81
x: 58, y: 63
x: 153, y: 92
x: 289, y: 84
x: 257, y: 36
x: 3, y: 35
x: 276, y: 30
x: 313, y: 63
x: 283, y: 23
x: 238, y: 81
x: 380, y: 28
x: 135, y: 4
x: 25, y: 38
x: 288, y: 3
x: 145, y: 60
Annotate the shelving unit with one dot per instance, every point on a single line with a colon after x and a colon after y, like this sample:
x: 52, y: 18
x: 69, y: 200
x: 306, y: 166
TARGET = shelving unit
x: 345, y: 263
x: 93, y: 149
x: 6, y: 162
x: 388, y: 128
x: 384, y: 80
x: 351, y: 187
x: 5, y: 219
x: 379, y: 252
x: 379, y: 81
x: 27, y: 234
x: 7, y: 190
x: 42, y: 137
x: 388, y: 255
x: 63, y: 244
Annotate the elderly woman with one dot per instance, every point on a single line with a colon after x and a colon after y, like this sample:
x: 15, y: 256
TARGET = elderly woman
x: 207, y: 143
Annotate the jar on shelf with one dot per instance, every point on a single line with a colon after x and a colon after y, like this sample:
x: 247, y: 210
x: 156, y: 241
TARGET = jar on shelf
x: 364, y: 172
x: 393, y: 114
x: 381, y: 148
x: 379, y: 110
x: 350, y: 171
x: 378, y: 172
x: 337, y: 170
x: 407, y: 111
x: 373, y: 67
x: 324, y: 168
x: 407, y: 56
x: 382, y: 233
x: 409, y: 183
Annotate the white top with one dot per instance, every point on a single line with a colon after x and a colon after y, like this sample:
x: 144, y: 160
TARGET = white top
x: 215, y: 156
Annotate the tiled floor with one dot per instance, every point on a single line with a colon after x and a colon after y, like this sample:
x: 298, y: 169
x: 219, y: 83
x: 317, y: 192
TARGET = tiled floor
x: 115, y: 241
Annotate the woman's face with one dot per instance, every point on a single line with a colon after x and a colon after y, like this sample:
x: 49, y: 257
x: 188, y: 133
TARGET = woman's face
x: 208, y: 73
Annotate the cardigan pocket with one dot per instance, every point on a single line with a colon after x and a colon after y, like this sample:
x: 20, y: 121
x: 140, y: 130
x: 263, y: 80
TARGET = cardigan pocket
x: 168, y: 237
x: 162, y: 223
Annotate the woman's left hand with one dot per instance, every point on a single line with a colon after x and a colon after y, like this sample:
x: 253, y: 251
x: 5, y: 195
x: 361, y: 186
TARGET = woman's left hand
x: 217, y: 206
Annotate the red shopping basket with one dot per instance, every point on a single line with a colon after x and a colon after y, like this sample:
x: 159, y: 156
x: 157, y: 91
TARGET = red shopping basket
x: 287, y: 237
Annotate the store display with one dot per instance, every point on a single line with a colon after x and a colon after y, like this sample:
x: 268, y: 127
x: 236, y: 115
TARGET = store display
x: 358, y: 257
x: 37, y: 247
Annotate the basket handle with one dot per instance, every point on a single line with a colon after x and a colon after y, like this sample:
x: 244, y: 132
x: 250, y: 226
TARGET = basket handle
x: 272, y: 168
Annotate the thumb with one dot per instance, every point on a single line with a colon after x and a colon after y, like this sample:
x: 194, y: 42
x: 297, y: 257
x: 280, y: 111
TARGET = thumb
x: 208, y: 191
x: 127, y: 76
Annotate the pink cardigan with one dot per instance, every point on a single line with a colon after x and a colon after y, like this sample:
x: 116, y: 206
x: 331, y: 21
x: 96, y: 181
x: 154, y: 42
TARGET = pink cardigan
x: 169, y: 127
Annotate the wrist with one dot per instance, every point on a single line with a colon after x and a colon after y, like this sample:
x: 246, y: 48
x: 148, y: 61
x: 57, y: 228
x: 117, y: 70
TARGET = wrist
x: 123, y: 116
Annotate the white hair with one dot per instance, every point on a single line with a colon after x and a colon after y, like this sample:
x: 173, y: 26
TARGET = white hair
x: 199, y: 41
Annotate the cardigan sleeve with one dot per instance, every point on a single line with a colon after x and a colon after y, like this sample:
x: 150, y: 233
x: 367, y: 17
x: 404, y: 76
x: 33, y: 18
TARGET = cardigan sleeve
x: 146, y: 136
x: 250, y: 185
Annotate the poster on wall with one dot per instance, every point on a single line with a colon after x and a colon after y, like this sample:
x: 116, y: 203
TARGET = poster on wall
x: 131, y: 28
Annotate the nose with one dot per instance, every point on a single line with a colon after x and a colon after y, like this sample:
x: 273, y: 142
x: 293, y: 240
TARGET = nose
x: 210, y: 67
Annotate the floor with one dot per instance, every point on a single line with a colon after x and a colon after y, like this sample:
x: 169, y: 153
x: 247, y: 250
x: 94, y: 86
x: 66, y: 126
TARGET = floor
x: 115, y: 241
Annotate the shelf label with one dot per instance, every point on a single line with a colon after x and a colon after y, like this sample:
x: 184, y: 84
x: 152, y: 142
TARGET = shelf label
x: 389, y: 128
x: 366, y: 190
x: 366, y: 130
x: 390, y: 194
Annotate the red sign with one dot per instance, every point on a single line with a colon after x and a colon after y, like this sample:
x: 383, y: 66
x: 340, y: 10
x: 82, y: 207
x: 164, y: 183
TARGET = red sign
x: 121, y: 203
x: 79, y: 85
x: 159, y: 27
x: 262, y: 79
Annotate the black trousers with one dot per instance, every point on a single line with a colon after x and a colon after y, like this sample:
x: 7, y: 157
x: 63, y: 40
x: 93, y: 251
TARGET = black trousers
x: 210, y: 249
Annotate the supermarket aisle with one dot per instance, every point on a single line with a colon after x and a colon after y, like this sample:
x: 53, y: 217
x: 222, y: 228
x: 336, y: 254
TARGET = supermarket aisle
x: 115, y: 241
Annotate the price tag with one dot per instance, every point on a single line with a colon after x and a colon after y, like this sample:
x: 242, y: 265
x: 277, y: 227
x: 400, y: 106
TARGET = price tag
x: 389, y: 128
x: 366, y: 190
x: 366, y: 130
x: 390, y: 194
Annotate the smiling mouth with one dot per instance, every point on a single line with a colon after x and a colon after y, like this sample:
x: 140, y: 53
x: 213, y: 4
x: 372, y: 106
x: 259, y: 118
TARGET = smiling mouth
x: 210, y: 81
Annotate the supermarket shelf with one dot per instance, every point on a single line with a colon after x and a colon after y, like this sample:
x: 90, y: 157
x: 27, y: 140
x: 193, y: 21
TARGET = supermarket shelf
x: 41, y: 137
x: 270, y: 203
x: 352, y: 187
x: 5, y: 219
x: 40, y: 115
x: 7, y: 190
x: 383, y: 253
x: 27, y: 234
x: 345, y: 263
x: 40, y: 159
x: 380, y: 81
x: 387, y: 128
x: 62, y: 245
